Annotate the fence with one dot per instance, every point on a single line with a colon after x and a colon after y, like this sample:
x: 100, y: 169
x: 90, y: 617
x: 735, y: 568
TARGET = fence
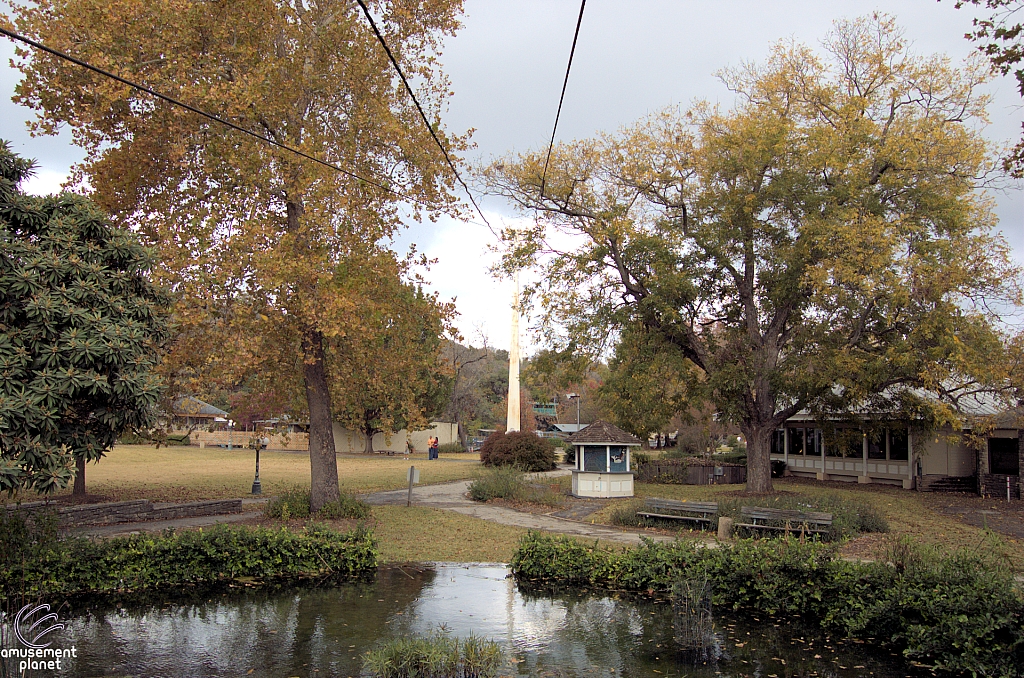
x: 297, y: 442
x: 682, y: 473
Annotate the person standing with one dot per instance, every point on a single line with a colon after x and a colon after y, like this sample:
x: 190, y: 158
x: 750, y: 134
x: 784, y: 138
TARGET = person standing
x: 434, y: 448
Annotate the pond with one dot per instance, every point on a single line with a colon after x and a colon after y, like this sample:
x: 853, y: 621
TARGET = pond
x: 322, y: 632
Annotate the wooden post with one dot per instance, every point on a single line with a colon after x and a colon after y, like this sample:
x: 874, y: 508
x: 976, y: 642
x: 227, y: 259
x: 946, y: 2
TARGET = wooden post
x: 412, y: 474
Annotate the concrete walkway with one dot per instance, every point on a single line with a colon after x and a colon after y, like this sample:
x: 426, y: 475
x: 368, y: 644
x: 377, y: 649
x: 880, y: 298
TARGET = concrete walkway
x: 446, y: 496
x: 452, y: 497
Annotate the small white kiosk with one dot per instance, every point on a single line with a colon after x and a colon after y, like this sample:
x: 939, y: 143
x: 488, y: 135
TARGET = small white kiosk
x: 602, y: 461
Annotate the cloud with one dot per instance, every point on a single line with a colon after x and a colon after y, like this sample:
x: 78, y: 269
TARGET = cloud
x: 44, y: 182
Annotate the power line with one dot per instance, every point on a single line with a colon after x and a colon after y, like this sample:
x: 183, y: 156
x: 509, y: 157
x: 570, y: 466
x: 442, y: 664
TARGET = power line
x: 565, y: 83
x: 210, y: 116
x: 430, y: 128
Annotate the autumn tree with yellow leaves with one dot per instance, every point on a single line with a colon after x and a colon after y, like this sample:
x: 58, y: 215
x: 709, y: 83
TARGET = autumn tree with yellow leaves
x: 820, y: 244
x: 254, y: 241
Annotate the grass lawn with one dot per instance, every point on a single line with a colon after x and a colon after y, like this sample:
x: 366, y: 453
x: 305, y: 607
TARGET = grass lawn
x: 189, y: 473
x: 408, y: 534
x: 918, y: 516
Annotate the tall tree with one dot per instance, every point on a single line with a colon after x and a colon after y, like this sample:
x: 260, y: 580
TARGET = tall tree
x: 821, y: 245
x: 80, y: 330
x: 251, y: 236
x: 1000, y: 37
x: 388, y: 368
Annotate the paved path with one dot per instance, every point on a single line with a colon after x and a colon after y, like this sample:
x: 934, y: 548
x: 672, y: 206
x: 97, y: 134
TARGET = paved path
x: 446, y: 496
x: 452, y: 497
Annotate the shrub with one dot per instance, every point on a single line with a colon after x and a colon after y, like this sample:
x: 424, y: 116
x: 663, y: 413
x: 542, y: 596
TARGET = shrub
x: 294, y: 503
x: 437, y: 656
x: 451, y: 447
x: 778, y: 468
x: 176, y: 559
x: 849, y: 518
x: 523, y: 449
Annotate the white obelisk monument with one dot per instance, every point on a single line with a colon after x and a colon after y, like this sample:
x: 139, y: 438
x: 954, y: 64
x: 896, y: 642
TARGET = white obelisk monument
x: 512, y: 424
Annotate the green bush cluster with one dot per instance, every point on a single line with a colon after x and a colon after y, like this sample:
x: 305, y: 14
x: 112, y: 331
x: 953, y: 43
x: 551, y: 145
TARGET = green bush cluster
x: 955, y: 613
x: 437, y: 656
x: 508, y: 482
x: 523, y: 449
x: 34, y: 561
x: 294, y: 503
x: 451, y: 447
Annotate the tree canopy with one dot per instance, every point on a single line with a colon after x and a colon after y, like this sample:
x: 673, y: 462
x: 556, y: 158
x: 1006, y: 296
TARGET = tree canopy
x: 81, y: 327
x: 250, y: 237
x: 389, y: 372
x: 821, y: 244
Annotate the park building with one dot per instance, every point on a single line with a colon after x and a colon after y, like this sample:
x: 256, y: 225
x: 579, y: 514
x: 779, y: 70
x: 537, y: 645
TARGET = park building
x: 912, y: 457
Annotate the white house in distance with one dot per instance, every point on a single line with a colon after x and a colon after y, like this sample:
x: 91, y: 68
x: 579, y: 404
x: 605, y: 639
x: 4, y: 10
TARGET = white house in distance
x: 603, y: 464
x: 911, y: 457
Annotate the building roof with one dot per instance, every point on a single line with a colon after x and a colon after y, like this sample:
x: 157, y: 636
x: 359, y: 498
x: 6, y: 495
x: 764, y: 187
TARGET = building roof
x: 194, y: 407
x: 569, y: 428
x: 603, y: 433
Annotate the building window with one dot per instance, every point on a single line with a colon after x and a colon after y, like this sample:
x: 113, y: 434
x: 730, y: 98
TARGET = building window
x: 595, y: 458
x: 1003, y: 456
x: 779, y: 442
x: 876, y: 446
x: 796, y: 441
x: 618, y: 458
x: 899, y: 448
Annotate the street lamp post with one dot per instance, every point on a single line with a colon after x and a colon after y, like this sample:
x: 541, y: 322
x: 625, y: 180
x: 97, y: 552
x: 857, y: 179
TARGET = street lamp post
x: 576, y: 397
x: 257, y: 443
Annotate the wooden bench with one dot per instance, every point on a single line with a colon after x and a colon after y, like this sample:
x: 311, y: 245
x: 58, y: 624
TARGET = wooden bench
x: 670, y: 509
x: 785, y: 520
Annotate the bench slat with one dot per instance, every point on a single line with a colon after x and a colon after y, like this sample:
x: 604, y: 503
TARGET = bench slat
x: 796, y: 528
x: 761, y: 513
x: 699, y: 519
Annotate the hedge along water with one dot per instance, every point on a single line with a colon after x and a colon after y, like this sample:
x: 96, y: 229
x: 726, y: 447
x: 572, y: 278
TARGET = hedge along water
x: 328, y: 631
x: 954, y: 613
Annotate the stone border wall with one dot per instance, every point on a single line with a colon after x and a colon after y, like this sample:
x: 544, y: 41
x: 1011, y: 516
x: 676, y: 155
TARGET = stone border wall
x: 137, y: 510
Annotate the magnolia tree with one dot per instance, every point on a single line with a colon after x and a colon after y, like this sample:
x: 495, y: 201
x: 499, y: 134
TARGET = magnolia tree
x: 822, y: 244
x: 80, y: 330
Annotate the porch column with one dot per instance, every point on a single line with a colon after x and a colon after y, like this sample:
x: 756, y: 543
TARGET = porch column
x: 908, y: 482
x: 864, y: 478
x: 785, y: 444
x: 810, y: 431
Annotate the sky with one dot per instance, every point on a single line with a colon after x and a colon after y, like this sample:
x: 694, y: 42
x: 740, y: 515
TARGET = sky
x: 633, y: 58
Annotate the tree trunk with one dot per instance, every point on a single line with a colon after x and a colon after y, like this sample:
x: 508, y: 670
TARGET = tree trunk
x: 463, y: 436
x: 759, y: 466
x: 323, y: 461
x: 79, y: 490
x: 368, y: 446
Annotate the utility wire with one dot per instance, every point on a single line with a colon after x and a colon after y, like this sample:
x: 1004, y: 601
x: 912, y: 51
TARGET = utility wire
x: 430, y: 128
x: 211, y: 116
x: 565, y: 83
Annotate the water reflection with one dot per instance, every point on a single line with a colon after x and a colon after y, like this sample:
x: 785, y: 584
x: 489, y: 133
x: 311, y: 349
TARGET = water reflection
x: 322, y: 632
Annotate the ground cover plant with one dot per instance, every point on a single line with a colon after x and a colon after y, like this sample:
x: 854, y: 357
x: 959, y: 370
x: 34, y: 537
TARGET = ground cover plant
x: 957, y: 612
x: 36, y: 560
x: 509, y: 482
x: 294, y: 503
x: 436, y: 656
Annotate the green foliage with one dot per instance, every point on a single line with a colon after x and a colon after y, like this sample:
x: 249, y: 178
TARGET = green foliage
x: 294, y: 503
x: 80, y: 329
x: 523, y: 449
x: 451, y: 448
x: 952, y: 612
x: 52, y: 566
x: 508, y: 482
x: 437, y: 656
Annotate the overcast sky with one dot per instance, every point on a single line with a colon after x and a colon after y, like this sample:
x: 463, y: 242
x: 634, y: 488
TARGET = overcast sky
x: 634, y: 57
